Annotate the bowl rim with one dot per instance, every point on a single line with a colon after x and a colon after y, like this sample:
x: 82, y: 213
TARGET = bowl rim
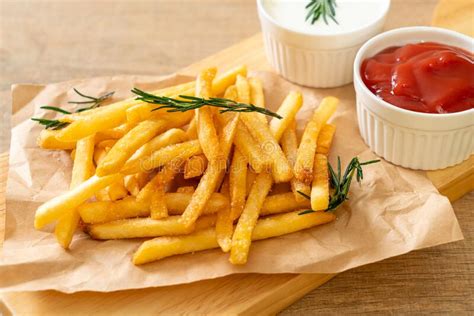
x: 405, y: 31
x: 263, y: 11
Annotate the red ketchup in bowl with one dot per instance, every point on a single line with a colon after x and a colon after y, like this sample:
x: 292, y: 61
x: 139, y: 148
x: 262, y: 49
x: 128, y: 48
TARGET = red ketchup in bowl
x: 424, y: 77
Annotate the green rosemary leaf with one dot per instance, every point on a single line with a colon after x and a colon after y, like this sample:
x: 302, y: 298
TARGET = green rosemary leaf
x: 56, y: 109
x: 321, y: 8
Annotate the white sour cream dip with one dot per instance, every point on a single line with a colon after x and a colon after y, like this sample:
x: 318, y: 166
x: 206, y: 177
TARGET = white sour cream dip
x: 350, y: 14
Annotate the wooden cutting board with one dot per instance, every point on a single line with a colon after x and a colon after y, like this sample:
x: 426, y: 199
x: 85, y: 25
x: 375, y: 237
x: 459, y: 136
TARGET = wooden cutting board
x: 248, y: 294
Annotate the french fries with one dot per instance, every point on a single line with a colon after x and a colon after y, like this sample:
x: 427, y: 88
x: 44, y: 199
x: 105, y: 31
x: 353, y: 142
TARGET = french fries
x: 162, y: 247
x: 145, y: 173
x: 82, y: 170
x: 320, y: 185
x: 305, y: 158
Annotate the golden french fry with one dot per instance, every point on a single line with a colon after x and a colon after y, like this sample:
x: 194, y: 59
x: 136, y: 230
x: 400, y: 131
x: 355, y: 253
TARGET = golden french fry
x: 305, y: 157
x: 250, y: 148
x: 281, y: 169
x: 129, y: 144
x: 129, y: 207
x: 206, y: 130
x: 243, y: 89
x: 195, y: 166
x: 256, y: 95
x: 60, y: 205
x: 224, y: 222
x: 251, y: 176
x: 162, y: 247
x: 325, y: 139
x: 191, y: 131
x: 170, y: 137
x: 47, y: 140
x: 114, y: 133
x: 107, y: 143
x: 243, y: 231
x: 320, y: 185
x: 237, y: 183
x: 117, y: 190
x: 185, y: 189
x: 288, y: 109
x: 281, y: 203
x: 81, y: 171
x: 158, y: 207
x: 301, y: 190
x: 138, y: 228
x: 165, y: 155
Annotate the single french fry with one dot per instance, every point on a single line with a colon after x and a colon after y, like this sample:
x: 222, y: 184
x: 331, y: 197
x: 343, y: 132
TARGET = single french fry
x: 158, y: 207
x: 251, y: 176
x: 185, y: 189
x: 129, y: 144
x: 162, y: 247
x: 243, y: 89
x: 305, y: 157
x: 60, y: 205
x: 138, y: 228
x: 195, y: 166
x: 320, y: 185
x: 325, y: 139
x: 237, y: 183
x: 256, y: 96
x: 301, y: 190
x: 81, y: 171
x: 281, y: 169
x: 170, y: 137
x: 243, y: 231
x: 282, y: 203
x: 191, y: 131
x: 129, y: 207
x: 288, y: 109
x: 163, y: 156
x: 206, y: 130
x: 47, y: 140
x: 224, y: 222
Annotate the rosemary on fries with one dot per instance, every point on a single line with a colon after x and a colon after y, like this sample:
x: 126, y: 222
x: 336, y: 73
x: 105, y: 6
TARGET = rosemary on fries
x: 341, y: 183
x: 187, y: 103
x: 57, y: 124
x: 321, y: 8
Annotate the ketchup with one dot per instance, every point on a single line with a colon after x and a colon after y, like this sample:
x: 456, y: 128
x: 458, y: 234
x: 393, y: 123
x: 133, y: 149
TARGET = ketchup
x: 424, y: 77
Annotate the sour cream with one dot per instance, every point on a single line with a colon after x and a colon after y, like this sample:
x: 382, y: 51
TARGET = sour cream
x: 351, y: 15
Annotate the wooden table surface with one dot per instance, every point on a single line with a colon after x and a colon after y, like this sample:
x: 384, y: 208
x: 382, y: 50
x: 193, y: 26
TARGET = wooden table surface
x: 48, y: 41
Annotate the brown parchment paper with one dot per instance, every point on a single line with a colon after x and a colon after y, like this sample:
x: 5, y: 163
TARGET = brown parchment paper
x: 394, y: 211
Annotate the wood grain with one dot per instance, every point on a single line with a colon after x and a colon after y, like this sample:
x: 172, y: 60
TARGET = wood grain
x: 437, y: 280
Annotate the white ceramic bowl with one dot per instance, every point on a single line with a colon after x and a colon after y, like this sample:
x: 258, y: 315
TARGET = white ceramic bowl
x: 313, y: 60
x: 406, y: 138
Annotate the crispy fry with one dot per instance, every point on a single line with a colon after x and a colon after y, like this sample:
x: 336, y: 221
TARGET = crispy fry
x: 281, y: 203
x: 164, y: 156
x: 81, y: 171
x: 281, y: 169
x: 158, y: 207
x: 320, y: 186
x: 117, y: 190
x: 251, y: 176
x: 162, y: 247
x: 243, y: 89
x: 135, y: 182
x: 191, y: 131
x: 256, y: 96
x: 288, y: 109
x: 305, y: 158
x: 247, y: 221
x: 224, y: 222
x: 325, y: 139
x: 114, y: 133
x: 176, y: 203
x: 47, y: 140
x: 195, y: 166
x: 60, y: 205
x: 206, y: 130
x: 237, y: 183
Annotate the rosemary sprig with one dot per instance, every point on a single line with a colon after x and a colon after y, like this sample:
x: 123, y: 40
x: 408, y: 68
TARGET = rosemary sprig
x: 57, y: 124
x: 341, y: 183
x: 321, y: 8
x: 187, y: 103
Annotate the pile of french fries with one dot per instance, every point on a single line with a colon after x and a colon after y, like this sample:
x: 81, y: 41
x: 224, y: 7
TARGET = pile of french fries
x: 192, y: 180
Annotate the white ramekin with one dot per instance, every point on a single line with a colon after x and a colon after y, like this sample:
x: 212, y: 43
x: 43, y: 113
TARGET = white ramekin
x: 320, y: 61
x: 406, y: 138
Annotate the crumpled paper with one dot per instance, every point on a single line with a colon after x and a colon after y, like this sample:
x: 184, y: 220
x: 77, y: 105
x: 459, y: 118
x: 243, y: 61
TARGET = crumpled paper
x: 393, y: 211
